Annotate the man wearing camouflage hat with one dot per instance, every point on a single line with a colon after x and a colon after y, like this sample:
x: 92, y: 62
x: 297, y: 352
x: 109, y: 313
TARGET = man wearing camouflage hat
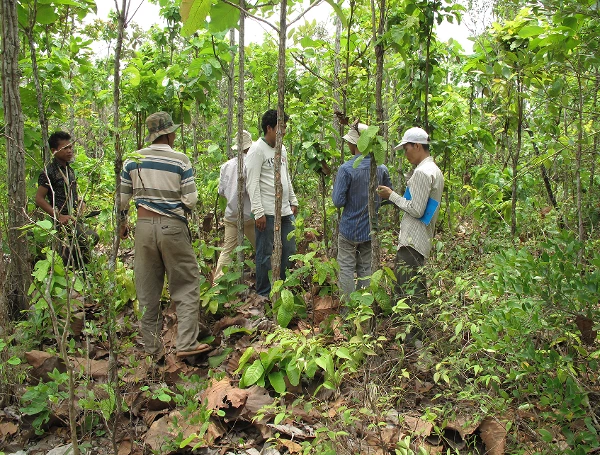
x: 163, y: 188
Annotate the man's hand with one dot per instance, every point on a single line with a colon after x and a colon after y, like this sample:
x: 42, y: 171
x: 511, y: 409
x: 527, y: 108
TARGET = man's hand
x: 64, y: 219
x: 384, y: 192
x: 294, y: 210
x: 261, y: 223
x: 124, y: 231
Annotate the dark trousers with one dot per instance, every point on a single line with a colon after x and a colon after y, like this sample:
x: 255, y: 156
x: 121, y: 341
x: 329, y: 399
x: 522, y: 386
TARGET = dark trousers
x: 76, y: 240
x: 264, y: 250
x: 411, y: 283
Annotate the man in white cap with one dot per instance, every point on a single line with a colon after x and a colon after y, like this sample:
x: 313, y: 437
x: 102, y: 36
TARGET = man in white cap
x: 228, y: 188
x: 163, y: 187
x: 421, y: 206
x: 351, y: 191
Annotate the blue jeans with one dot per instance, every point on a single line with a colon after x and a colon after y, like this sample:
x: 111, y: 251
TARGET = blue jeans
x: 264, y: 250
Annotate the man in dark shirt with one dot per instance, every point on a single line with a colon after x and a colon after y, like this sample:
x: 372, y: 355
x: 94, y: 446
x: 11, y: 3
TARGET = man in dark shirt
x: 57, y: 196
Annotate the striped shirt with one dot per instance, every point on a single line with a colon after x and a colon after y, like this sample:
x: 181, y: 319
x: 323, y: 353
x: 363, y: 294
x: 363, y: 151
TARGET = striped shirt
x: 162, y: 181
x: 426, y: 182
x: 351, y: 191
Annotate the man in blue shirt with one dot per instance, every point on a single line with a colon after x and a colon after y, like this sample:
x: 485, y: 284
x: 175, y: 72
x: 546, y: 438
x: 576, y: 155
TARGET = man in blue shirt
x: 351, y: 191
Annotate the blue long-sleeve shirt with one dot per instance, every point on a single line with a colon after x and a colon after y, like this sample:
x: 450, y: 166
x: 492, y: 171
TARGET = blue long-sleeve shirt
x: 351, y: 191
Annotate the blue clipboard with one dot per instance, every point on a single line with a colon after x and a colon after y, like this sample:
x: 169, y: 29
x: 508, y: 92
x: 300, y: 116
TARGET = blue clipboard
x: 430, y: 208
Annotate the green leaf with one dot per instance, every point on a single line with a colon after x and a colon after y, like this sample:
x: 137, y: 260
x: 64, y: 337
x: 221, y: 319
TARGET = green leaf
x: 546, y: 435
x: 193, y: 14
x: 531, y: 30
x: 279, y: 418
x: 134, y: 75
x: 343, y: 353
x: 244, y: 358
x: 223, y: 17
x: 286, y: 309
x: 293, y: 373
x: 253, y: 373
x: 277, y: 381
x: 46, y: 15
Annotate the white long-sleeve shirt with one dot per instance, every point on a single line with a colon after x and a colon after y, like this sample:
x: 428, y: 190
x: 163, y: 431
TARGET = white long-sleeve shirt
x: 228, y: 188
x: 260, y: 180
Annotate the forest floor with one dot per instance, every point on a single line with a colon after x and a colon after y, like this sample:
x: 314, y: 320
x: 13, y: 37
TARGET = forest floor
x: 396, y: 397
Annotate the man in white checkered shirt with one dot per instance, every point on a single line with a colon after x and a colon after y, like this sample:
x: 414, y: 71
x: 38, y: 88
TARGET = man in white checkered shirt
x: 421, y: 204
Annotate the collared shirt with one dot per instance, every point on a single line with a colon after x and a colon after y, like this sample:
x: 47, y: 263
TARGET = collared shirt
x: 260, y: 180
x: 426, y: 182
x: 351, y: 191
x: 228, y: 188
x: 61, y: 184
x: 161, y: 181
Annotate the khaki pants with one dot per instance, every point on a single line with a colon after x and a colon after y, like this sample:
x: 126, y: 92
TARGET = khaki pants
x: 163, y: 244
x: 230, y: 243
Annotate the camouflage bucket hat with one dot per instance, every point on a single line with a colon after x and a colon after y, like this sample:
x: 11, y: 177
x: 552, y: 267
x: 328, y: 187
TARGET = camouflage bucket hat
x: 158, y: 124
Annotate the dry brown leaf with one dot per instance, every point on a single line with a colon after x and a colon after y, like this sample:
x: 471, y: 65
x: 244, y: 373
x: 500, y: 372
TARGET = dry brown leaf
x: 125, y: 447
x: 463, y: 425
x: 325, y: 307
x: 97, y: 369
x: 258, y: 397
x: 493, y: 435
x: 222, y: 395
x: 423, y: 387
x: 418, y: 426
x: 293, y: 447
x: 44, y: 363
x: 8, y: 429
x: 228, y: 321
x: 169, y: 427
x: 390, y: 435
x: 150, y: 416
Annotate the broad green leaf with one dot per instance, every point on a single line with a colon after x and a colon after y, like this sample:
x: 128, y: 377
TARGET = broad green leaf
x: 277, y: 381
x: 46, y: 15
x: 244, y: 358
x: 223, y: 17
x: 286, y: 309
x: 293, y: 373
x: 44, y: 224
x: 531, y: 30
x: 134, y: 75
x: 343, y: 353
x: 546, y: 435
x: 193, y: 14
x: 253, y: 374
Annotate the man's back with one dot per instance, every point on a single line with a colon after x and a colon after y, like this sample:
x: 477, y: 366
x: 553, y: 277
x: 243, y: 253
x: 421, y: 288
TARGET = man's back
x: 351, y: 191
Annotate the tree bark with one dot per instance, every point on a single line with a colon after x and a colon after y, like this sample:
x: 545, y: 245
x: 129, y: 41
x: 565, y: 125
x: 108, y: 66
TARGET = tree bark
x: 230, y: 94
x: 240, y: 129
x: 277, y: 243
x: 19, y: 270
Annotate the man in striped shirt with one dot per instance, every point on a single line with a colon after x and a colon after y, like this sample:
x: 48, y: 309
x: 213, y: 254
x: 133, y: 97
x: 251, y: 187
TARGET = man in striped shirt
x: 351, y: 191
x: 421, y: 206
x: 161, y: 183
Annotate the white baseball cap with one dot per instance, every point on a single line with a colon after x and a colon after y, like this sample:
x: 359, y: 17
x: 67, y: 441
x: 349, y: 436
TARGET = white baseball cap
x: 352, y: 135
x: 246, y: 141
x: 414, y: 135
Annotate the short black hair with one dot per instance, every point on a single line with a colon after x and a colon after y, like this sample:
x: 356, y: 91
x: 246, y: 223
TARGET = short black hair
x: 425, y: 146
x: 56, y: 137
x: 269, y: 118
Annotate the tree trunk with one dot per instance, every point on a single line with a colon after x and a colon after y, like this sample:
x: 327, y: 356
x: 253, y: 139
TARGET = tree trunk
x: 240, y: 130
x: 38, y: 86
x: 19, y: 270
x: 515, y: 160
x: 378, y: 31
x: 230, y: 95
x: 277, y: 244
x: 113, y: 377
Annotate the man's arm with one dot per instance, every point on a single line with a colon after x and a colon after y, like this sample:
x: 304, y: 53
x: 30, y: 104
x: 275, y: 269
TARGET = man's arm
x: 253, y: 169
x: 340, y: 189
x: 42, y: 202
x: 189, y: 191
x: 420, y: 188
